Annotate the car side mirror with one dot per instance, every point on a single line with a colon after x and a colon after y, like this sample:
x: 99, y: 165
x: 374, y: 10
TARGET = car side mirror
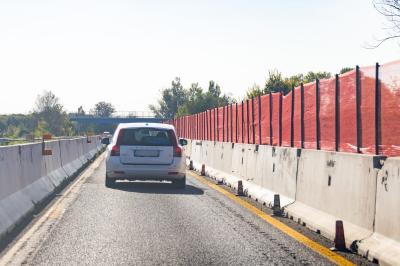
x: 105, y: 141
x: 183, y: 142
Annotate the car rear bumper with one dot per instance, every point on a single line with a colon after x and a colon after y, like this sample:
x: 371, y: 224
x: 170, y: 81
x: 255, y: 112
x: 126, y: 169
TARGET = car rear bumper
x: 117, y: 170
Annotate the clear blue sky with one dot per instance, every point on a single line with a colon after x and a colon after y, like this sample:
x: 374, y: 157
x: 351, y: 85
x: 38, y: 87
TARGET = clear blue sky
x: 125, y: 52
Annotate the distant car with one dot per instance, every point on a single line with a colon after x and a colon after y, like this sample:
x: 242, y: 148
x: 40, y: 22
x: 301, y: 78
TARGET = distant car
x: 106, y: 134
x: 145, y: 151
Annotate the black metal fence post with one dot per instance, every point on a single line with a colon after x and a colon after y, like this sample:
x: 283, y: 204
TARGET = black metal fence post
x: 317, y: 103
x: 302, y: 115
x: 377, y: 110
x: 358, y: 109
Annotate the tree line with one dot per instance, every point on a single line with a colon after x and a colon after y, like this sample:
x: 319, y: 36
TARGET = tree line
x: 50, y: 117
x: 176, y: 101
x: 179, y: 101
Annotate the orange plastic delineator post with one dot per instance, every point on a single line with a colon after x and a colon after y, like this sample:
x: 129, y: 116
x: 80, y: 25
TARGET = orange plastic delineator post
x: 47, y: 152
x: 44, y: 151
x: 47, y: 136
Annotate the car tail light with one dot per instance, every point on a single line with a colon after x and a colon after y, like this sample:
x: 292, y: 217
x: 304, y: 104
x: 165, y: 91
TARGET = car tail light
x: 115, y: 150
x: 177, y: 151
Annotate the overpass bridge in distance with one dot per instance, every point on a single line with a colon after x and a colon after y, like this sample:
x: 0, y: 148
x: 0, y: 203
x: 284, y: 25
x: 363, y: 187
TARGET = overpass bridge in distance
x: 116, y: 118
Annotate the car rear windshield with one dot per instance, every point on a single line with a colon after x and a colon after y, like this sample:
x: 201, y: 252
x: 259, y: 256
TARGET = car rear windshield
x: 147, y: 137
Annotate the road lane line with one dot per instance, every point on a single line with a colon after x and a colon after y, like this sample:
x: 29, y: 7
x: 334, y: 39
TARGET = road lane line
x: 323, y: 251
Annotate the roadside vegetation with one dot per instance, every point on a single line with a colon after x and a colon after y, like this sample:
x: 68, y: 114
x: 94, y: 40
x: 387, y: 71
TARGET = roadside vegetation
x: 179, y: 101
x: 49, y: 116
x: 176, y: 101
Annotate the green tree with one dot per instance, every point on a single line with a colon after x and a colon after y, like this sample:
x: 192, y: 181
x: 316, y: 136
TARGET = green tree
x: 171, y: 99
x: 49, y: 109
x: 312, y: 76
x: 254, y: 91
x: 276, y: 83
x: 81, y: 111
x: 345, y: 69
x: 178, y: 101
x: 103, y: 109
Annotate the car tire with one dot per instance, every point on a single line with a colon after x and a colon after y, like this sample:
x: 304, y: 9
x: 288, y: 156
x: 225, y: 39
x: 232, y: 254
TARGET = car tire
x: 110, y: 182
x: 181, y: 183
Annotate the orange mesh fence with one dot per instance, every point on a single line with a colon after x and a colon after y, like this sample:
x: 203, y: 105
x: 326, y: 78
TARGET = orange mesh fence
x: 286, y: 119
x: 327, y: 114
x: 367, y: 108
x: 353, y: 112
x: 389, y: 137
x: 257, y: 117
x: 275, y: 118
x: 297, y: 118
x: 240, y: 123
x: 347, y: 112
x: 219, y: 123
x: 310, y: 129
x: 245, y: 122
x: 234, y: 123
x: 265, y: 119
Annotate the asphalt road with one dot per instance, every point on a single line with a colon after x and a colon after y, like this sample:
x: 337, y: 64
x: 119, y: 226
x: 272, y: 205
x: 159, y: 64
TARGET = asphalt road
x: 157, y: 224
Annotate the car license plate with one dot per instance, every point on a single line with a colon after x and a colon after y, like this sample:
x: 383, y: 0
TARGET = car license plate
x: 147, y: 153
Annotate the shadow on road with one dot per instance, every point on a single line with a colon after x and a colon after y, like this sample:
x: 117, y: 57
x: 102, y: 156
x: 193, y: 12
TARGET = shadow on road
x: 157, y: 188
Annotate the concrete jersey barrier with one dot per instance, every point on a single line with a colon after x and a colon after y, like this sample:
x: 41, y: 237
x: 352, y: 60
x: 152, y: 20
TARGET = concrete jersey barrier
x: 384, y: 244
x: 27, y: 177
x: 317, y: 188
x: 336, y: 186
x: 264, y: 170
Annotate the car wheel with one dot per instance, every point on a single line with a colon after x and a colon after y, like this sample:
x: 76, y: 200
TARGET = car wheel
x: 110, y: 182
x: 181, y: 183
